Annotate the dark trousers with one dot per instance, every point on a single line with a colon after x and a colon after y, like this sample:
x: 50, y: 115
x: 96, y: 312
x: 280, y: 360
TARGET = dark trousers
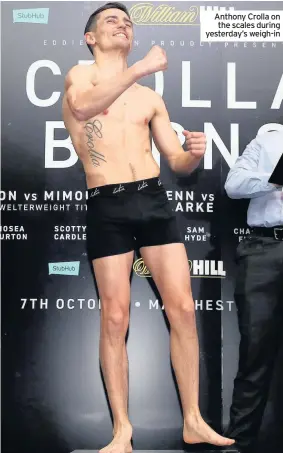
x: 259, y: 300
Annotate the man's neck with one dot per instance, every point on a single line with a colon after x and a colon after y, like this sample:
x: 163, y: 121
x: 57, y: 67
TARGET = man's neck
x: 111, y: 63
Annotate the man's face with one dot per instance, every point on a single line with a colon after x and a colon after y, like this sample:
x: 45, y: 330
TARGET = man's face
x: 114, y: 30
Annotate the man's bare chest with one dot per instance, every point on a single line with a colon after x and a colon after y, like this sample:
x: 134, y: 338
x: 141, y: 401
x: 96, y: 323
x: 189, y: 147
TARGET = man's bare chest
x: 133, y: 109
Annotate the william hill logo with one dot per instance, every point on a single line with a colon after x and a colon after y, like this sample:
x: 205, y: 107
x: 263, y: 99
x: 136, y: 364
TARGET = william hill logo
x: 198, y: 268
x: 148, y: 14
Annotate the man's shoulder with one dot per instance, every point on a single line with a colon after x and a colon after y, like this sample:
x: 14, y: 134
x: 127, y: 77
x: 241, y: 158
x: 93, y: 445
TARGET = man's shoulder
x: 80, y: 71
x: 270, y: 139
x: 148, y: 91
x: 152, y: 98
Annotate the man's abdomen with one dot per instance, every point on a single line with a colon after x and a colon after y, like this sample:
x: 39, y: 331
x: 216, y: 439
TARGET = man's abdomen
x: 123, y: 167
x: 115, y: 151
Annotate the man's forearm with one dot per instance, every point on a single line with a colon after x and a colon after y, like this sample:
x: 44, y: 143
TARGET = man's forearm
x: 185, y: 163
x: 95, y: 100
x: 243, y: 183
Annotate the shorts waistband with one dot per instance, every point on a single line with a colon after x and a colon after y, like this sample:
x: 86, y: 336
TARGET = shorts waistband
x: 127, y: 187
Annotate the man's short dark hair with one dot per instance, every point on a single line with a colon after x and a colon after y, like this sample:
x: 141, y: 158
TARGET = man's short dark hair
x: 93, y: 18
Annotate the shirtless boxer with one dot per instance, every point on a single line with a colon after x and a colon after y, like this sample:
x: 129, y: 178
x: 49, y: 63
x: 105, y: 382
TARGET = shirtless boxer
x: 108, y: 115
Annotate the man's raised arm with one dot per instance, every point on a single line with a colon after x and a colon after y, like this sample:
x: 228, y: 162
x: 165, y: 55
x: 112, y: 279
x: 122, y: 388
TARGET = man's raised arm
x: 87, y: 98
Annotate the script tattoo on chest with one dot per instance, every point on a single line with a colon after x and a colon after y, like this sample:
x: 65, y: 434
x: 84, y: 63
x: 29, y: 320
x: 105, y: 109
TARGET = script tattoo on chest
x: 92, y: 129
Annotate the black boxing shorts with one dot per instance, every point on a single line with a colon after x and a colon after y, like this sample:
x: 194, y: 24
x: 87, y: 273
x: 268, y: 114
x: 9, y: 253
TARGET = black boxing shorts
x: 127, y: 216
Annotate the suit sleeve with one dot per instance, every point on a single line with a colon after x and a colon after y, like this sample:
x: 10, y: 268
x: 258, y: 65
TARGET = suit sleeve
x: 244, y: 180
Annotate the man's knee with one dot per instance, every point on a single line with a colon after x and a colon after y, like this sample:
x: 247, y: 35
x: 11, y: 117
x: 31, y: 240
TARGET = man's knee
x: 114, y: 316
x: 180, y: 309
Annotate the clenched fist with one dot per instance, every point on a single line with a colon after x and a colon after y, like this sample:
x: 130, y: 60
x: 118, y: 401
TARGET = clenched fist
x: 154, y: 61
x: 195, y: 143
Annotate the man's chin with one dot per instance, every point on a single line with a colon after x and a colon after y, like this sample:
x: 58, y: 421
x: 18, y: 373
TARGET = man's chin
x: 125, y: 46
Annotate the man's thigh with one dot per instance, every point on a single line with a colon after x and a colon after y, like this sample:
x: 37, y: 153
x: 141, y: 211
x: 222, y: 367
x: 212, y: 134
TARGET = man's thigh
x: 169, y: 267
x: 112, y: 274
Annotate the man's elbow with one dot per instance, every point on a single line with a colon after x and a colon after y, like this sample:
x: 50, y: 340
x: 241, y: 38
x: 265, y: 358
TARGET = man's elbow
x: 77, y: 106
x: 80, y: 114
x: 232, y: 191
x: 171, y: 161
x: 178, y: 164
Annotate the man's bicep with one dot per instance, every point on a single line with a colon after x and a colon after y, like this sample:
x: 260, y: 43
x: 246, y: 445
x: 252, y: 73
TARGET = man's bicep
x: 78, y: 81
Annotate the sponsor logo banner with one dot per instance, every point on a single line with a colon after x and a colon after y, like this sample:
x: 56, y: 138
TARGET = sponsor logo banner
x: 149, y: 14
x: 64, y: 268
x: 31, y: 16
x: 198, y: 268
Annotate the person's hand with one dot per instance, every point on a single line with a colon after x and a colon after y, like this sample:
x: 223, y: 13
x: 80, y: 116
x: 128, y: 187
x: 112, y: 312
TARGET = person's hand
x: 195, y: 143
x: 154, y: 61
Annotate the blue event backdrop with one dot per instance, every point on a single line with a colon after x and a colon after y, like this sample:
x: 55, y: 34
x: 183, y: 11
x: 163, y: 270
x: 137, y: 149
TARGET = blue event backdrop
x: 53, y: 397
